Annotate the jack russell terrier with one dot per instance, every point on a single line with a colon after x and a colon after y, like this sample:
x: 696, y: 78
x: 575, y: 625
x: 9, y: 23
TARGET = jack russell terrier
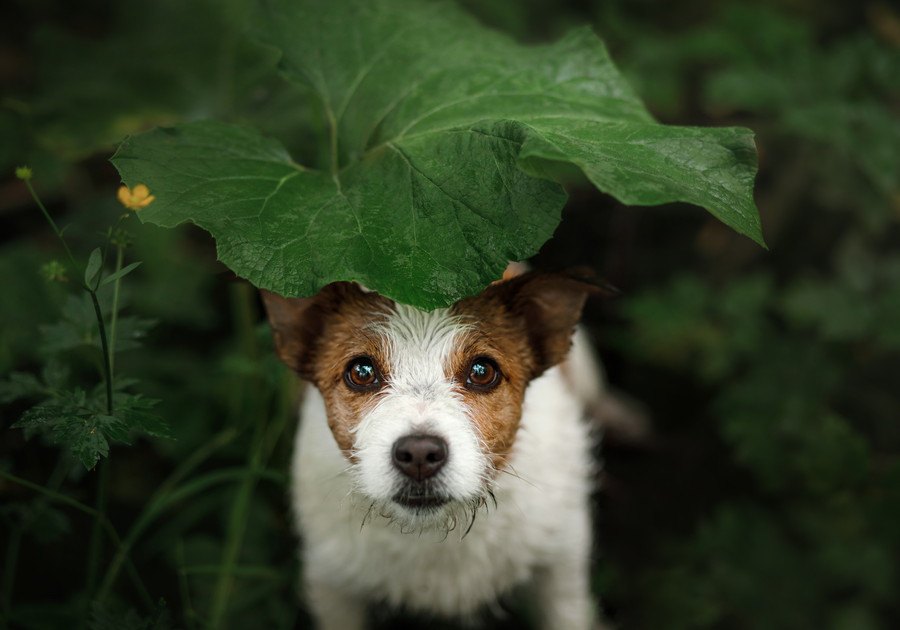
x: 443, y: 458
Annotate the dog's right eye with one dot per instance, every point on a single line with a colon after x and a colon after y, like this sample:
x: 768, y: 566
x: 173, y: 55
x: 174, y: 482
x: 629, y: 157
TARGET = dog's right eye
x: 361, y: 375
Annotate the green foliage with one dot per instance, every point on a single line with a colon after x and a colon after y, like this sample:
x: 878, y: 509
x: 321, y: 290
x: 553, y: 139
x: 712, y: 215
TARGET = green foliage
x: 77, y: 326
x: 773, y: 377
x: 439, y: 134
x: 798, y: 358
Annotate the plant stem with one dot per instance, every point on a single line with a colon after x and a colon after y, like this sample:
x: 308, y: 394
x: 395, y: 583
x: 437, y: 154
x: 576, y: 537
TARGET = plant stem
x: 15, y: 538
x: 9, y: 573
x: 104, y: 346
x: 95, y: 548
x: 75, y: 267
x: 184, y: 587
x: 106, y: 524
x: 242, y: 305
x: 237, y: 526
x: 157, y: 503
x: 114, y: 316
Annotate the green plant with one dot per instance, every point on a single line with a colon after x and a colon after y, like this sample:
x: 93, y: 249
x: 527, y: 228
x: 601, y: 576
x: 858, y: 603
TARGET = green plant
x: 439, y: 144
x: 771, y: 495
x: 84, y: 421
x: 796, y: 359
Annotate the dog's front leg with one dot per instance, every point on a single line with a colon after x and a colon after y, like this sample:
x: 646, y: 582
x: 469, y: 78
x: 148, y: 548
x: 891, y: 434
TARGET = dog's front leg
x: 335, y: 609
x: 565, y: 598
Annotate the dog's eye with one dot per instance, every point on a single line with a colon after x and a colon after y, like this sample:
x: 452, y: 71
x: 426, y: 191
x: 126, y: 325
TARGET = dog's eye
x: 361, y: 374
x: 483, y: 374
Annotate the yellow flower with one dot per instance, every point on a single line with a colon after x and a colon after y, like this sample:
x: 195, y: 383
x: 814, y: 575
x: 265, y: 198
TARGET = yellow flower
x: 135, y: 198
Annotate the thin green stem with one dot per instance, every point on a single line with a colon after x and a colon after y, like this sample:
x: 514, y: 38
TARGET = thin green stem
x: 95, y: 548
x: 12, y: 549
x: 104, y: 347
x: 246, y: 571
x: 110, y: 232
x: 237, y: 526
x: 114, y: 316
x: 81, y: 507
x: 190, y: 616
x: 9, y: 573
x: 75, y: 266
x: 243, y: 301
x: 157, y: 503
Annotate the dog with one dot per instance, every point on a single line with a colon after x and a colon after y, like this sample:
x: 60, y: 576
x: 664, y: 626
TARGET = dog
x: 442, y: 457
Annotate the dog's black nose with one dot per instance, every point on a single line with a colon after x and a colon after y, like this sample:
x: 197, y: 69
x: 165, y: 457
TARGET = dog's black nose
x: 420, y: 456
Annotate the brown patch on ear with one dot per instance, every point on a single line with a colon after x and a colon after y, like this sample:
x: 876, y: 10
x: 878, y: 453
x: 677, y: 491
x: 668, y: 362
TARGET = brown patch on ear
x: 317, y: 336
x: 525, y: 324
x: 298, y: 324
x: 290, y: 327
x: 546, y: 305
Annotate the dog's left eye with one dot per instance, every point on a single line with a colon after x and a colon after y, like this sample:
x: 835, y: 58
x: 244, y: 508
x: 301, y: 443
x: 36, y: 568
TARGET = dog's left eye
x: 361, y: 374
x: 483, y: 374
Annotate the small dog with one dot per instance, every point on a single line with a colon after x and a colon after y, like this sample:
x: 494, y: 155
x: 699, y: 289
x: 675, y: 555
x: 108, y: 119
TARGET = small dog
x: 442, y: 459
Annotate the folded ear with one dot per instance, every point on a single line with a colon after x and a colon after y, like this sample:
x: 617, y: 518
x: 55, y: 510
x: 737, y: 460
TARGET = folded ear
x: 298, y: 324
x: 295, y: 326
x: 550, y: 306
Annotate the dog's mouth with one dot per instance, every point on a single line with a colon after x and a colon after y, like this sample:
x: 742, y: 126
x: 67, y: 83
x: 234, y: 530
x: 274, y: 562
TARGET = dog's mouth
x: 420, y: 501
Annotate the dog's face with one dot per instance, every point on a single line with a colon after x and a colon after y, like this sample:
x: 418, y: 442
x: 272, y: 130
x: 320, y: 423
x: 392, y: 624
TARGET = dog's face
x: 425, y: 405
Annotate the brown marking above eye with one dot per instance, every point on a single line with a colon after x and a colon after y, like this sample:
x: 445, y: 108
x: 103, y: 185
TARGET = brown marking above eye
x: 483, y: 375
x: 362, y: 375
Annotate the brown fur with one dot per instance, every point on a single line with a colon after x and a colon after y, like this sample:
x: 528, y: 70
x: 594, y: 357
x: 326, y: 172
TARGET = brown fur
x: 523, y: 323
x: 341, y: 314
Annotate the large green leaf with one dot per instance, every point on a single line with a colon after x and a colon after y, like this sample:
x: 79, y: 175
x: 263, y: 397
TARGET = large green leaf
x: 443, y: 135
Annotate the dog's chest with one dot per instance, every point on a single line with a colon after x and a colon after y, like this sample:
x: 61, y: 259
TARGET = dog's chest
x: 430, y: 571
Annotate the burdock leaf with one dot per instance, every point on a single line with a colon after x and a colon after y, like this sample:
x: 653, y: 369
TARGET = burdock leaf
x: 443, y: 135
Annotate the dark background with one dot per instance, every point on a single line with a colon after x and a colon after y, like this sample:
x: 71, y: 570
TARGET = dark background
x: 765, y: 492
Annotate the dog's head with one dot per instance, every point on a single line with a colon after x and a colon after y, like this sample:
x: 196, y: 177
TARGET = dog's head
x: 425, y: 406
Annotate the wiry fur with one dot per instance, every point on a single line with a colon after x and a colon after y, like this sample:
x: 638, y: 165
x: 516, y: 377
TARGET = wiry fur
x: 522, y: 520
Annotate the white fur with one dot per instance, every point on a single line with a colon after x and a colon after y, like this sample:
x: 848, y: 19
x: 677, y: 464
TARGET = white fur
x: 359, y: 547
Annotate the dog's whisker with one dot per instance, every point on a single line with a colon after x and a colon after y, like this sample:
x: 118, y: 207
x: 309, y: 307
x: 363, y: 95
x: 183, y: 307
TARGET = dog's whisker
x: 471, y: 523
x: 517, y: 476
x: 366, y: 515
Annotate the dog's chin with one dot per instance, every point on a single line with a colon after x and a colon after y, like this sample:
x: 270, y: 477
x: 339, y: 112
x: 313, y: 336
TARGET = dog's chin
x: 420, y: 502
x: 415, y: 507
x: 414, y: 512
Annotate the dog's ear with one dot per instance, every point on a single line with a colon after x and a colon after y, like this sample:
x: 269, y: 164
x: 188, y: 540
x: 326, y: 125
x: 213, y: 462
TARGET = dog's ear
x: 550, y: 306
x: 295, y: 327
x: 298, y: 323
